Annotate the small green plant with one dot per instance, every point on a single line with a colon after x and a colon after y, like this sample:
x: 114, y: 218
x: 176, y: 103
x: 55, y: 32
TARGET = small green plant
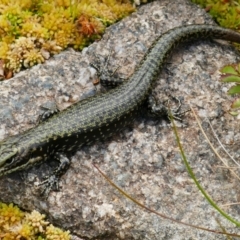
x: 16, y: 224
x: 227, y: 14
x: 231, y: 74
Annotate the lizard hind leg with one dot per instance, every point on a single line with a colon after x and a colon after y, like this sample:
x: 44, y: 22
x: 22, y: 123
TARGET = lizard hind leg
x: 163, y: 110
x: 108, y: 78
x: 48, y: 110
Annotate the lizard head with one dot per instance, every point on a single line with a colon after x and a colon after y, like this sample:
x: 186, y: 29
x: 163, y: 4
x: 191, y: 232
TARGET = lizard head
x: 15, y: 155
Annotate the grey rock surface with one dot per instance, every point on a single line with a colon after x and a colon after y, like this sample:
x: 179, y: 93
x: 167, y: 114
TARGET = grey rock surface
x: 143, y: 160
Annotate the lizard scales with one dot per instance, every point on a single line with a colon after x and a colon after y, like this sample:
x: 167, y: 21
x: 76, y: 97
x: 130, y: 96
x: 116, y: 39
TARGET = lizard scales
x: 99, y: 116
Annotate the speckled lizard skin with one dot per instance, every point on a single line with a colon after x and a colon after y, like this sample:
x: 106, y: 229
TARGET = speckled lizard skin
x: 100, y: 116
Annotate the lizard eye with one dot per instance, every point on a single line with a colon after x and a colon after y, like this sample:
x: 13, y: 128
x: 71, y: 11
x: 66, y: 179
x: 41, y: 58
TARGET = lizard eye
x: 9, y: 161
x: 7, y: 158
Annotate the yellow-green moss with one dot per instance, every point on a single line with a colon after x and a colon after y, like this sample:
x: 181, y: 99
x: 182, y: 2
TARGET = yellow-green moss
x: 16, y: 224
x: 31, y: 30
x: 225, y: 12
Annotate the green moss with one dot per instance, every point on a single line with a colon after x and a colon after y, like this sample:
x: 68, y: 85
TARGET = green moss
x: 225, y: 12
x: 31, y: 31
x: 16, y: 224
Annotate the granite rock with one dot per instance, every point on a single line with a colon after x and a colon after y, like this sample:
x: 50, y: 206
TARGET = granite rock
x: 144, y: 159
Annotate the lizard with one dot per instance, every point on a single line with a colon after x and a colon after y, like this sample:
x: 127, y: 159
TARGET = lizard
x: 98, y: 117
